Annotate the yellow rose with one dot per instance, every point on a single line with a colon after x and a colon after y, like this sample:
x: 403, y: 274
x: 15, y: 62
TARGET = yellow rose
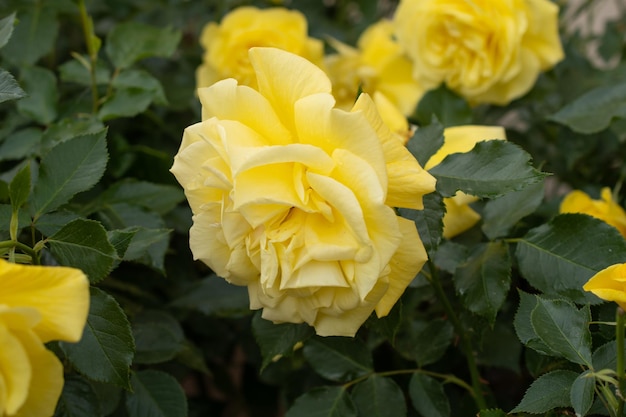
x: 37, y: 304
x: 226, y: 44
x: 488, y: 51
x: 459, y: 215
x: 609, y: 284
x: 604, y: 209
x: 293, y: 198
x: 378, y: 64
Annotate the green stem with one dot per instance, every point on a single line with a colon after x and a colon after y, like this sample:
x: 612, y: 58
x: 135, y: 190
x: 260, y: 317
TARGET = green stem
x: 24, y: 248
x: 619, y: 340
x: 445, y: 377
x: 466, y: 343
x: 93, y: 54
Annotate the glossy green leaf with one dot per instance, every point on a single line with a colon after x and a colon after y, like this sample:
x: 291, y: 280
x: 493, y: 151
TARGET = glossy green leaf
x: 69, y: 168
x: 428, y: 396
x: 84, y: 244
x: 69, y: 128
x: 426, y: 141
x: 214, y: 296
x: 9, y: 88
x: 41, y: 87
x: 34, y: 36
x: 449, y: 108
x: 500, y: 215
x: 19, y: 187
x: 338, y: 358
x: 594, y: 110
x: 323, y: 402
x: 77, y: 399
x: 547, y: 392
x: 559, y: 257
x: 278, y: 340
x: 491, y: 169
x: 106, y: 349
x: 6, y: 28
x: 129, y: 42
x: 155, y: 394
x: 523, y: 325
x: 148, y: 246
x: 582, y: 393
x: 564, y: 329
x: 483, y: 281
x: 158, y: 336
x: 121, y: 239
x: 378, y: 396
x: 429, y: 221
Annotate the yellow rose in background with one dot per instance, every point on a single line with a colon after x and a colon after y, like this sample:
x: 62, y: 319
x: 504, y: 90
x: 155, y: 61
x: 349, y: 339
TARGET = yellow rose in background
x: 609, y: 284
x: 488, y: 51
x: 38, y: 304
x: 604, y: 209
x: 293, y: 198
x: 226, y: 44
x: 378, y: 64
x: 459, y: 215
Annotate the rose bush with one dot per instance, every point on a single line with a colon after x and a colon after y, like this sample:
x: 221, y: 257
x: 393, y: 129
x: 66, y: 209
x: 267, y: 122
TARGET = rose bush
x: 605, y: 209
x: 38, y: 304
x: 488, y: 51
x: 293, y: 198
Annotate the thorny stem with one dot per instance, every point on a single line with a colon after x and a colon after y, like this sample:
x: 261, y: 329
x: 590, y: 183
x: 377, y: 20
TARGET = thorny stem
x: 466, y: 343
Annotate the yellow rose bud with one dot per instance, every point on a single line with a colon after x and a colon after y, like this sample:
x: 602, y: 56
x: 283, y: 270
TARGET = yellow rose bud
x: 488, y: 51
x: 604, y: 209
x: 37, y: 304
x: 226, y: 44
x: 378, y: 64
x: 293, y: 197
x: 609, y: 284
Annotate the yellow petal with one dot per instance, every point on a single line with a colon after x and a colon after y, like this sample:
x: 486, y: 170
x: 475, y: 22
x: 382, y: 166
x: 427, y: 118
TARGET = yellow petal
x: 459, y: 217
x: 609, y: 284
x: 15, y: 371
x: 59, y: 294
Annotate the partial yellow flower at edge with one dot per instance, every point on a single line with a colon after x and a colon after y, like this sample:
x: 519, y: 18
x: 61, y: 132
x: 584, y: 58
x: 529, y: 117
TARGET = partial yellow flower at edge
x: 609, y: 284
x: 604, y: 209
x: 37, y: 304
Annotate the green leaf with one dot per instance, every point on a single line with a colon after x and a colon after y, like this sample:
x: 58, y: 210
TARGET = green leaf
x: 129, y: 42
x: 449, y: 108
x: 492, y: 412
x: 9, y: 88
x: 84, y: 244
x: 429, y: 221
x: 277, y: 340
x: 69, y: 128
x: 76, y: 72
x: 77, y: 399
x: 108, y: 395
x: 323, y: 402
x: 121, y: 239
x: 156, y: 197
x: 450, y: 255
x: 483, y: 281
x: 158, y: 336
x: 125, y: 103
x: 500, y: 215
x: 559, y: 257
x: 549, y: 391
x: 428, y: 397
x: 6, y: 211
x: 50, y: 223
x: 34, y: 36
x: 491, y: 169
x: 594, y: 110
x: 500, y: 347
x: 338, y: 358
x: 523, y: 325
x: 41, y: 103
x: 379, y: 397
x: 69, y: 168
x: 6, y: 28
x: 21, y: 144
x: 582, y: 393
x: 426, y: 141
x: 143, y: 80
x: 148, y: 246
x: 155, y: 394
x: 564, y: 329
x: 605, y: 357
x: 430, y: 339
x: 106, y: 349
x: 214, y: 296
x: 19, y: 187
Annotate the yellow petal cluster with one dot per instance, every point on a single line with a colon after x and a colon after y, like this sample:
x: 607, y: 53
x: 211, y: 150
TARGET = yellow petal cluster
x: 605, y: 209
x: 488, y: 51
x: 377, y: 64
x: 609, y: 284
x: 459, y: 215
x: 293, y: 197
x: 226, y: 44
x: 37, y: 304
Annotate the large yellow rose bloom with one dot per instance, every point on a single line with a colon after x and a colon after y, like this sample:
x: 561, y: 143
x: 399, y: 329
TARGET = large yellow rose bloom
x: 605, y: 209
x: 609, y: 284
x: 488, y: 51
x: 226, y: 44
x: 378, y: 64
x: 37, y: 304
x: 293, y: 198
